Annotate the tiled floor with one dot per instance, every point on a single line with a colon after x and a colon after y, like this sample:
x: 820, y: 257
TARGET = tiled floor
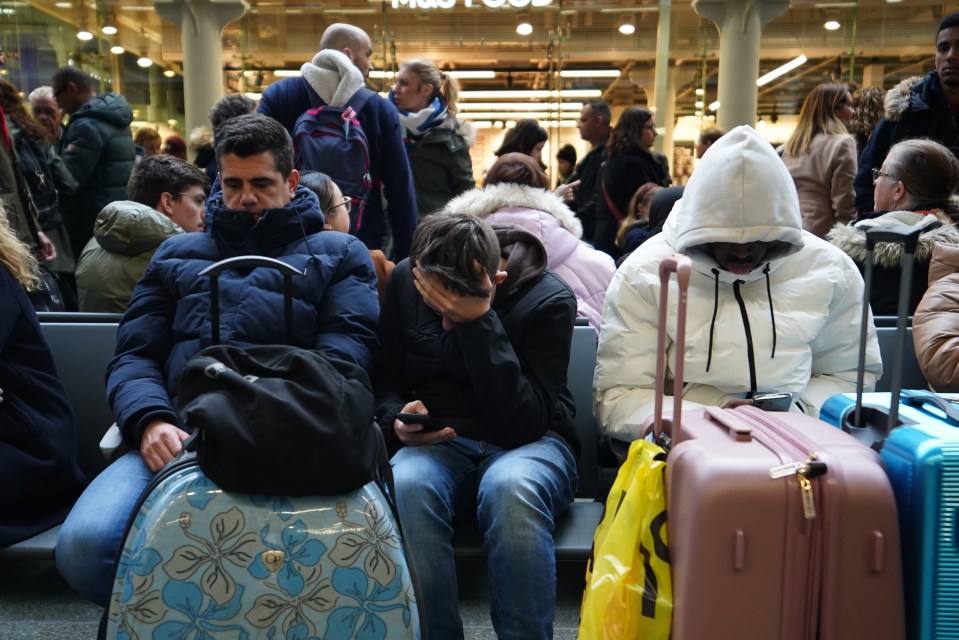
x: 35, y: 603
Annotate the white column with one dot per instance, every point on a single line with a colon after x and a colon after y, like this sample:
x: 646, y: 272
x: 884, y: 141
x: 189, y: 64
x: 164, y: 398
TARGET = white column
x: 664, y: 99
x: 740, y: 25
x: 200, y: 23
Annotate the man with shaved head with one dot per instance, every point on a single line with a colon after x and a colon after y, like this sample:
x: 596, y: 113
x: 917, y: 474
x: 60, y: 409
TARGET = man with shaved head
x: 332, y: 78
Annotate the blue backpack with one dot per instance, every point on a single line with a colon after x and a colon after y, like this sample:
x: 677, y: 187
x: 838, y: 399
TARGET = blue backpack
x: 332, y: 140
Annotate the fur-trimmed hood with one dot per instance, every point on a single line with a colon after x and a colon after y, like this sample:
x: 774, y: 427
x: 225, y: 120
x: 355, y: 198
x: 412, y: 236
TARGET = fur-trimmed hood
x: 455, y: 127
x: 467, y: 131
x: 899, y: 98
x: 851, y: 238
x: 492, y: 198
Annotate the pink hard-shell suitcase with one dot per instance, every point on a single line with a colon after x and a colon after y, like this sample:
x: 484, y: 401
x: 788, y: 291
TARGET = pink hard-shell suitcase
x: 779, y: 526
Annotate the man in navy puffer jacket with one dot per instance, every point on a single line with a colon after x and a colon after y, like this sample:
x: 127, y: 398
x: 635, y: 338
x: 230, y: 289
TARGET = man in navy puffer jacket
x: 335, y: 310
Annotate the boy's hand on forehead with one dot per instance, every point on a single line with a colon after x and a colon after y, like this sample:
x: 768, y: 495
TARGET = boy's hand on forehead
x: 453, y: 307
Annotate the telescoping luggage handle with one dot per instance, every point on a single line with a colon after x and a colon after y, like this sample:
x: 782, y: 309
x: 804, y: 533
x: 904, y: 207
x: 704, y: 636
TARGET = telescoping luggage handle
x: 682, y: 267
x: 908, y: 237
x: 242, y: 262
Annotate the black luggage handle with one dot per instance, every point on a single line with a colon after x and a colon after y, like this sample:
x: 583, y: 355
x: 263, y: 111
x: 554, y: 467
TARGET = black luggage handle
x: 908, y: 237
x: 240, y: 262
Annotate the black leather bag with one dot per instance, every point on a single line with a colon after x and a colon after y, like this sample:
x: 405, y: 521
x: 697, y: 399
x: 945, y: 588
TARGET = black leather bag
x: 278, y: 420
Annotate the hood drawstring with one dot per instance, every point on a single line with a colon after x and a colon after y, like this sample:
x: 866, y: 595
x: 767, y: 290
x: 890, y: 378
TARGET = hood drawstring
x: 306, y: 237
x: 772, y: 314
x: 712, y: 323
x: 750, y: 353
x: 742, y: 309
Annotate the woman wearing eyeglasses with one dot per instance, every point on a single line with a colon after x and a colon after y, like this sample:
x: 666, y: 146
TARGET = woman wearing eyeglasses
x: 915, y: 186
x: 630, y: 165
x: 821, y: 157
x: 336, y: 213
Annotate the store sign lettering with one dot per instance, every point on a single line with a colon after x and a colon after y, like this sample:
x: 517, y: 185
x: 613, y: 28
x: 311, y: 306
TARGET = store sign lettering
x: 449, y: 4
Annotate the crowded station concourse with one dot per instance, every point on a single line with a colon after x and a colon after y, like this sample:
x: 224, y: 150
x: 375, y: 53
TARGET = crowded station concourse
x: 432, y: 150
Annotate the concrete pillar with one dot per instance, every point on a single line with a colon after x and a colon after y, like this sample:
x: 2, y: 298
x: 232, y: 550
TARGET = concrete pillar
x: 740, y: 25
x: 662, y: 95
x: 872, y: 75
x: 200, y: 23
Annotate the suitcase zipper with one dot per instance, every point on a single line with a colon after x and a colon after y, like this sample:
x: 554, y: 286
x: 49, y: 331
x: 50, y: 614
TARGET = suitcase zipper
x: 811, y: 468
x: 805, y: 471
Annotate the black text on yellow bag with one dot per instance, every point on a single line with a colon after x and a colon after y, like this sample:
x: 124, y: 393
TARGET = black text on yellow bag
x: 628, y: 586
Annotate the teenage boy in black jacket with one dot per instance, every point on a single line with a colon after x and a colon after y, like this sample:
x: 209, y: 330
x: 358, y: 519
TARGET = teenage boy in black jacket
x: 476, y: 333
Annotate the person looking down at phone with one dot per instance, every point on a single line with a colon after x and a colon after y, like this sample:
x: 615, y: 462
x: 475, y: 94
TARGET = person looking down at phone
x: 772, y: 308
x: 475, y: 331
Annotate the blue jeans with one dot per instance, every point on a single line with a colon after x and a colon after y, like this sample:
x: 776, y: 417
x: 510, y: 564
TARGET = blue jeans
x: 92, y: 534
x: 515, y: 496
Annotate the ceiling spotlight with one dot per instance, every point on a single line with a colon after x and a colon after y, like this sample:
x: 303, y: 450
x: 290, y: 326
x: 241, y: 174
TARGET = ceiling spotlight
x: 699, y: 91
x: 831, y: 25
x: 698, y: 104
x: 144, y: 62
x: 524, y: 28
x: 109, y: 30
x: 626, y: 26
x: 169, y: 73
x: 714, y: 106
x: 84, y: 35
x: 117, y: 49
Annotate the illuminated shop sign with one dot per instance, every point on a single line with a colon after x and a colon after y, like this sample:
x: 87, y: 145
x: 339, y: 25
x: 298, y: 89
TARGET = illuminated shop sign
x: 449, y: 4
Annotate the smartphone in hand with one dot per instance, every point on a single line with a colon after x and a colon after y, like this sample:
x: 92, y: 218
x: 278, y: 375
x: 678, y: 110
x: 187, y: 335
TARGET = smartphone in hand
x: 429, y: 423
x: 773, y: 401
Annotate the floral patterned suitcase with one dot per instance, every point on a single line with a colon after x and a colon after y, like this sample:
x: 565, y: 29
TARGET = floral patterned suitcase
x: 199, y: 562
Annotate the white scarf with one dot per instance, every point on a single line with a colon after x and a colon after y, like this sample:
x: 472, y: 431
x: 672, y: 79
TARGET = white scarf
x: 333, y: 76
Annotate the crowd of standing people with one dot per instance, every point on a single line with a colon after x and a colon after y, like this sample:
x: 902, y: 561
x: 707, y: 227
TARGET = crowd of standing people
x: 459, y: 300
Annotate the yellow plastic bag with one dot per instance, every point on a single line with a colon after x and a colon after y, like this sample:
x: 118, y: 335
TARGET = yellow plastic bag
x: 629, y: 592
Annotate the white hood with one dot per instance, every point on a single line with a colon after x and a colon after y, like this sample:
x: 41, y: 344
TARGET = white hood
x: 741, y: 192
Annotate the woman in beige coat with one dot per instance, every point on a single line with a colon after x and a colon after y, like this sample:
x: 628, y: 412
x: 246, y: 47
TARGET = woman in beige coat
x: 935, y: 325
x: 821, y: 157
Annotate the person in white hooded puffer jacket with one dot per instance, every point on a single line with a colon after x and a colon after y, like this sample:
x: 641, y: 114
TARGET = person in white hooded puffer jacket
x: 772, y: 308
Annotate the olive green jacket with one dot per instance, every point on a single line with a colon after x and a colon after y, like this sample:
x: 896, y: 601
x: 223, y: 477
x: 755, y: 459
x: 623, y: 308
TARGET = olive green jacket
x: 125, y: 236
x: 441, y: 164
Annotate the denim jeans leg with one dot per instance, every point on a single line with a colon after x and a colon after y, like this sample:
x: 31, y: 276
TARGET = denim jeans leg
x: 433, y: 484
x: 521, y: 492
x: 92, y: 534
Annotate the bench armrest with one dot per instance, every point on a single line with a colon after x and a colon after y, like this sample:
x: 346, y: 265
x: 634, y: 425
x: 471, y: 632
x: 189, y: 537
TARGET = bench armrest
x: 110, y: 442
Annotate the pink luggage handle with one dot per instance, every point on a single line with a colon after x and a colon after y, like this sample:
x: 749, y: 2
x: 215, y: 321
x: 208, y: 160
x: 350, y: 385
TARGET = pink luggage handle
x: 682, y: 267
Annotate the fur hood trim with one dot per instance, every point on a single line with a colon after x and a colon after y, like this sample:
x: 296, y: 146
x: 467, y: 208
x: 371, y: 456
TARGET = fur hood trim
x: 492, y: 198
x: 897, y: 98
x: 467, y: 131
x: 852, y: 238
x: 461, y: 128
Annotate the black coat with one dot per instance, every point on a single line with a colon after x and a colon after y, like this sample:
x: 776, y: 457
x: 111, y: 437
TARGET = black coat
x: 500, y: 379
x: 39, y: 474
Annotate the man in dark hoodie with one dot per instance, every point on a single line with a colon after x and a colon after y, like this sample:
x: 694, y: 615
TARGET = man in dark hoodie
x: 97, y: 147
x: 475, y: 331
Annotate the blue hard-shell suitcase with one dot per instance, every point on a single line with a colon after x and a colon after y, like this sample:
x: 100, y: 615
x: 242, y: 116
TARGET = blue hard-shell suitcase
x: 918, y: 439
x: 201, y: 562
x: 245, y: 566
x: 922, y: 460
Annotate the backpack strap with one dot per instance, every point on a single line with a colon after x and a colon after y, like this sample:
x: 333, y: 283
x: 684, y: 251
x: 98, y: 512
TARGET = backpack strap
x: 359, y: 99
x: 609, y: 203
